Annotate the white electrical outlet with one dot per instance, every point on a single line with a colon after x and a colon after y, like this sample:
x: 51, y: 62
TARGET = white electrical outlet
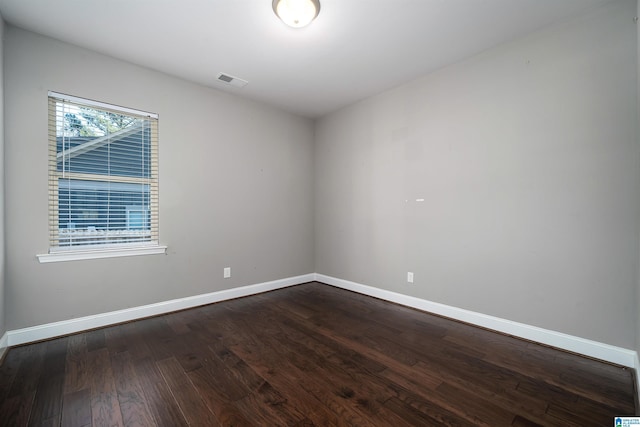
x: 410, y: 277
x: 227, y: 272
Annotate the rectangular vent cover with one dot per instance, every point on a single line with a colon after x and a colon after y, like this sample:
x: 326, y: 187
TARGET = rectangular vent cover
x: 233, y: 81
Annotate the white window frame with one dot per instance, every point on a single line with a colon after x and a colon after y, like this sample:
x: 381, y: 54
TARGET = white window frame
x: 103, y: 250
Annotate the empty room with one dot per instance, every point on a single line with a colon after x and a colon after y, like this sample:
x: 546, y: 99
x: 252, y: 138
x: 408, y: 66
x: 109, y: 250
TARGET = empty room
x: 319, y: 212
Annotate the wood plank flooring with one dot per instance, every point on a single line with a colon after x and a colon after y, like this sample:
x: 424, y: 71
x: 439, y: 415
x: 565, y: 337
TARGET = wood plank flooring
x: 309, y: 355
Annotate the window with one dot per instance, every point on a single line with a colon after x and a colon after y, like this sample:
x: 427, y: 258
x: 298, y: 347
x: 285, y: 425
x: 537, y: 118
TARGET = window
x: 103, y: 179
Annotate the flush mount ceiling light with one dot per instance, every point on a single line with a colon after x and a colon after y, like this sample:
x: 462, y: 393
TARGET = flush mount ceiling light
x: 296, y: 13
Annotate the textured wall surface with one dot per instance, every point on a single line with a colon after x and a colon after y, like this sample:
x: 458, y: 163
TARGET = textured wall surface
x: 507, y: 183
x: 236, y: 187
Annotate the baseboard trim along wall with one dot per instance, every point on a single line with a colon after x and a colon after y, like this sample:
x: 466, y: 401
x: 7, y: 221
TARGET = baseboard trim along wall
x: 560, y: 340
x: 606, y: 352
x: 4, y: 345
x: 65, y: 327
x: 636, y: 366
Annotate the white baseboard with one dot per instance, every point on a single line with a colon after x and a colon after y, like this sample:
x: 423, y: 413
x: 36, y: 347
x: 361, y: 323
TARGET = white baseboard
x: 606, y: 352
x: 560, y: 340
x: 4, y: 344
x: 65, y: 327
x: 636, y: 366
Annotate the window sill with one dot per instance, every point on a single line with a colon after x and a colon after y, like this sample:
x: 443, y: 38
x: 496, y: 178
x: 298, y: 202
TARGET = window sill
x: 101, y: 253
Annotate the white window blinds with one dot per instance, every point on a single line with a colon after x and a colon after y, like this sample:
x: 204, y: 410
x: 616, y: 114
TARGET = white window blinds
x: 103, y: 175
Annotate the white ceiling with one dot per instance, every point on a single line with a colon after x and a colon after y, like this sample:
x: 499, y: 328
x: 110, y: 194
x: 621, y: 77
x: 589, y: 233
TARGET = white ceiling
x: 354, y: 49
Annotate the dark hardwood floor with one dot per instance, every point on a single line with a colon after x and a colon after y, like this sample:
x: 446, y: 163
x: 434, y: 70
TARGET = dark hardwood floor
x: 308, y: 355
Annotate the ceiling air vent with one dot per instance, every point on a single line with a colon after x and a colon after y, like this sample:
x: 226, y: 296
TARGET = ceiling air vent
x: 233, y: 81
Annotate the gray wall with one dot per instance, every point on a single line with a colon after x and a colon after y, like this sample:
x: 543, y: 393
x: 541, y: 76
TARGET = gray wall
x: 637, y: 347
x: 236, y: 187
x: 3, y: 325
x: 527, y: 159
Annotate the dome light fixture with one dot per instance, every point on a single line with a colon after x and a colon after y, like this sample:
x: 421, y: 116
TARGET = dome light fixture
x: 296, y: 13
